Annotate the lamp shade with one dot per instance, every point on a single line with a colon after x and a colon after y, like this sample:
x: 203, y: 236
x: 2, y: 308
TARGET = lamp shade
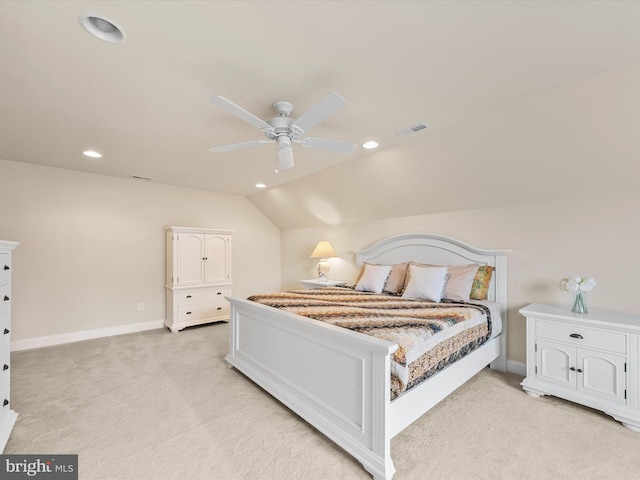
x: 323, y: 250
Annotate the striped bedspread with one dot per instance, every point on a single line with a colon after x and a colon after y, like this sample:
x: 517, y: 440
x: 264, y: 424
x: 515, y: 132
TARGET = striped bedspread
x: 429, y: 335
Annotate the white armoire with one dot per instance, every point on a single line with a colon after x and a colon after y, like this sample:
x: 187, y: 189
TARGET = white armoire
x: 7, y: 415
x: 198, y: 276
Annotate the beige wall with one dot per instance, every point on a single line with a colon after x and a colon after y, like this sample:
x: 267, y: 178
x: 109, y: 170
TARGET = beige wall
x: 92, y: 247
x: 596, y: 235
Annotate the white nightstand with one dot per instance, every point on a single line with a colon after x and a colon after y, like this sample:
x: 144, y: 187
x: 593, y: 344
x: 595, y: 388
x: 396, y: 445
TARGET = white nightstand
x: 592, y: 359
x: 314, y: 283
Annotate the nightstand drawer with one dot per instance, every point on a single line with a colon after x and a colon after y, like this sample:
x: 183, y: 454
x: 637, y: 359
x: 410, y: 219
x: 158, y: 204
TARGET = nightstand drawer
x: 582, y: 336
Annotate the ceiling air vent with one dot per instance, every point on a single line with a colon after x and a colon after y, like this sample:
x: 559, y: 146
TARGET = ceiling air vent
x: 411, y: 130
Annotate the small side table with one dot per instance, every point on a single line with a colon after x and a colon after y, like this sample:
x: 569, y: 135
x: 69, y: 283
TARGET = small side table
x: 314, y: 283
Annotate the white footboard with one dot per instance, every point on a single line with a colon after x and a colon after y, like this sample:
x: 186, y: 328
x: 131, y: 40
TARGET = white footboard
x: 336, y: 379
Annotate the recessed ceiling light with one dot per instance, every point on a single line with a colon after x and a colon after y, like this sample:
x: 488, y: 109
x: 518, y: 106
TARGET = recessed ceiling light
x: 260, y: 185
x: 101, y: 27
x: 92, y: 154
x: 370, y: 144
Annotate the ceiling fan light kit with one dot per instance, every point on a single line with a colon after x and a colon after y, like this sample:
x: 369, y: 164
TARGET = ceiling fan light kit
x: 285, y: 130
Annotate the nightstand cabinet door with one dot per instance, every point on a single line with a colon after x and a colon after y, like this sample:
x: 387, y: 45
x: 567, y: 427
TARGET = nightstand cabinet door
x: 602, y: 375
x: 554, y: 362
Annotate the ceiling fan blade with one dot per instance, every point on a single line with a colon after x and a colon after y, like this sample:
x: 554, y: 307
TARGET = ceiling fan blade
x: 321, y: 110
x: 239, y: 112
x: 326, y: 144
x: 238, y: 146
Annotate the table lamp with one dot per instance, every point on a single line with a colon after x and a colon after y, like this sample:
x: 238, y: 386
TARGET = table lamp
x: 323, y: 250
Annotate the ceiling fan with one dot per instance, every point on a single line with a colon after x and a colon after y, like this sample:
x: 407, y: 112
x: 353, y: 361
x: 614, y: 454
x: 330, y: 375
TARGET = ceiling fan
x: 284, y: 130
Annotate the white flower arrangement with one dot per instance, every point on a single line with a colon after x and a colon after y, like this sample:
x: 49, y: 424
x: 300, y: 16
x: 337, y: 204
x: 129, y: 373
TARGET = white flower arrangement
x: 578, y: 284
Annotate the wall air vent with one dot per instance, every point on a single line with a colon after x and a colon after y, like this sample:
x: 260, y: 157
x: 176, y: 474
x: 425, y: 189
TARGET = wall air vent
x: 138, y: 177
x: 411, y: 130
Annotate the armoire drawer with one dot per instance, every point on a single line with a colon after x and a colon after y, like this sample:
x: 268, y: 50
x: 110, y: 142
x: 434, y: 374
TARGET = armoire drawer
x: 193, y: 296
x: 202, y: 310
x: 582, y: 336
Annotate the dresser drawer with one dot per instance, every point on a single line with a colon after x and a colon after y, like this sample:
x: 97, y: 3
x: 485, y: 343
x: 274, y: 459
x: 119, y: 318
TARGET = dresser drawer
x: 4, y: 297
x: 193, y: 296
x: 4, y: 325
x: 5, y: 266
x: 203, y: 310
x: 582, y: 336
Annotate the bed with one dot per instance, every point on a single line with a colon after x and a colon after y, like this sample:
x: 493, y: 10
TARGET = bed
x: 348, y: 399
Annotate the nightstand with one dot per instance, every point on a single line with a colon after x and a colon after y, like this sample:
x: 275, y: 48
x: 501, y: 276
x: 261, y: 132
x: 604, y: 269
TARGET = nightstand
x: 314, y: 283
x: 592, y: 359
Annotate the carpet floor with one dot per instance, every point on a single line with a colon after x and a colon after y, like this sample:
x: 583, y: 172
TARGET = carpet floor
x: 161, y: 406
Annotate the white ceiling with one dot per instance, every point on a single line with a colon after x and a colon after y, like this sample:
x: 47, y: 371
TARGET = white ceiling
x: 145, y: 103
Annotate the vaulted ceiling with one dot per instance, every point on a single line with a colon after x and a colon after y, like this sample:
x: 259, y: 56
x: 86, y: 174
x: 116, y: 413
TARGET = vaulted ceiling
x: 144, y: 103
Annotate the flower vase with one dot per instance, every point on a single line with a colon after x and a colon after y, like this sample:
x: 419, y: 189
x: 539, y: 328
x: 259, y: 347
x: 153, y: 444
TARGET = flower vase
x: 579, y: 303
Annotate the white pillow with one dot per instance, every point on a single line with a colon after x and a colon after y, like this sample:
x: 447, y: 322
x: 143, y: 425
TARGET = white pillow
x: 459, y: 282
x: 373, y: 278
x: 426, y: 283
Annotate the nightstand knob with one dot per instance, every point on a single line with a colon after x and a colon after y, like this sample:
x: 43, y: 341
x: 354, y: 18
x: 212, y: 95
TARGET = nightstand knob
x: 6, y: 299
x: 5, y: 403
x: 572, y: 369
x: 579, y: 370
x: 576, y: 335
x: 6, y: 267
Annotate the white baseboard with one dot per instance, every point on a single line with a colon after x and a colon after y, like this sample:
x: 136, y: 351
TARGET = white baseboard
x: 517, y: 367
x: 51, y: 340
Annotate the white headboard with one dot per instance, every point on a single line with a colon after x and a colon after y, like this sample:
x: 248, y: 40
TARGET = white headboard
x: 440, y: 250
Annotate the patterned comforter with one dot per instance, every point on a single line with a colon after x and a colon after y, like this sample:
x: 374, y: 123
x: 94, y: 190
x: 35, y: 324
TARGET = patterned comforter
x: 429, y: 335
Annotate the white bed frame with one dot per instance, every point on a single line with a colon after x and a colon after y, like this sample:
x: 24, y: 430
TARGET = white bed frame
x: 339, y: 380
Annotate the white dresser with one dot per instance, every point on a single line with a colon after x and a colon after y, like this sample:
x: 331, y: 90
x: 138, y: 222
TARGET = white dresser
x: 7, y: 415
x: 198, y: 276
x: 591, y: 359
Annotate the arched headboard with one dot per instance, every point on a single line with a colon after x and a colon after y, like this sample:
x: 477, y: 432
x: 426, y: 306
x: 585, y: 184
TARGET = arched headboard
x: 441, y: 250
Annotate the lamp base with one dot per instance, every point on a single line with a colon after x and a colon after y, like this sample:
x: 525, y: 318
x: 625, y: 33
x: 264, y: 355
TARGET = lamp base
x: 323, y: 271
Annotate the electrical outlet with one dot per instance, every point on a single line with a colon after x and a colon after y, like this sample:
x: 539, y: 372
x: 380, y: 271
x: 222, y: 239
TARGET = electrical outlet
x: 140, y: 307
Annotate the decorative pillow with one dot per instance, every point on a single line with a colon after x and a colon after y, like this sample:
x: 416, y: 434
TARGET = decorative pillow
x: 373, y: 278
x: 481, y: 281
x: 459, y: 282
x: 395, y: 282
x: 425, y: 282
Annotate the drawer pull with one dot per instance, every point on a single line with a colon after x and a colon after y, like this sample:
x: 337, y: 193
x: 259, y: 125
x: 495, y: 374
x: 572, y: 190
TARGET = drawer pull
x: 219, y: 308
x: 576, y: 335
x: 6, y: 330
x: 188, y: 296
x: 6, y: 267
x: 219, y: 293
x: 188, y: 313
x: 6, y: 299
x: 6, y: 367
x: 5, y: 403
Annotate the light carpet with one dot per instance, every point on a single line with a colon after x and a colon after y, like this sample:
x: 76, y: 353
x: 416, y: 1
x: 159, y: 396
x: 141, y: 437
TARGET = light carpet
x: 162, y: 406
